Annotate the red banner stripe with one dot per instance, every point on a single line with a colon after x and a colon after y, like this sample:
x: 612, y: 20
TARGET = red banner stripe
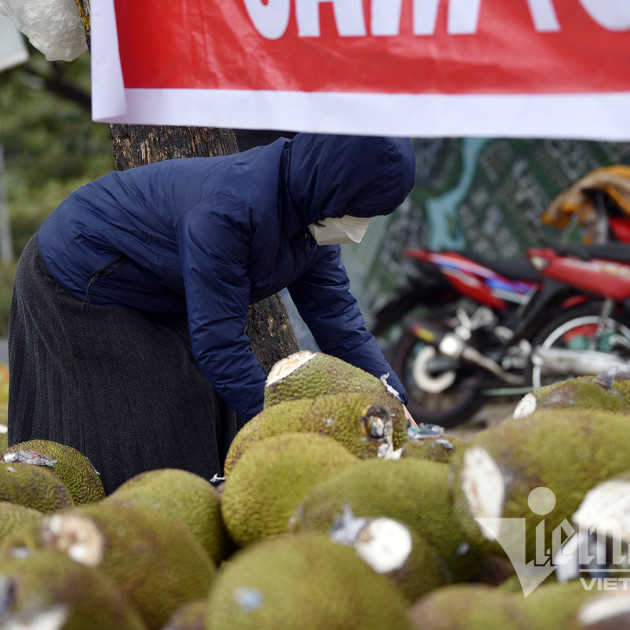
x: 217, y: 45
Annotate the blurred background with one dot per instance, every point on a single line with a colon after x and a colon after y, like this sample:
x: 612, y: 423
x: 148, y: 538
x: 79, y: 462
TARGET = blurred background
x: 481, y: 194
x: 48, y: 146
x: 484, y: 194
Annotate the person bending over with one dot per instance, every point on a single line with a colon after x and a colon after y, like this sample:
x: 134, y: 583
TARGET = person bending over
x: 127, y: 327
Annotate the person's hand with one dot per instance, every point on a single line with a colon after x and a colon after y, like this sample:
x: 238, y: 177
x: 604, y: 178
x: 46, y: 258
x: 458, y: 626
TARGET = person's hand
x: 409, y: 417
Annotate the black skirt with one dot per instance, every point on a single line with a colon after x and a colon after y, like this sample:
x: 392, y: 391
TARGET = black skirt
x: 119, y: 385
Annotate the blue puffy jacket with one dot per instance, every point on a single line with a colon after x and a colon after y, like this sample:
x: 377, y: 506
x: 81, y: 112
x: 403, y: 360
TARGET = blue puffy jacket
x: 209, y: 236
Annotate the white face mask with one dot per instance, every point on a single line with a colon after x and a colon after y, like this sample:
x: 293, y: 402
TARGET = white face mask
x: 339, y: 231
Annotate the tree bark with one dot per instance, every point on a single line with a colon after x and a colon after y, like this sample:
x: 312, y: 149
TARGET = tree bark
x: 268, y: 327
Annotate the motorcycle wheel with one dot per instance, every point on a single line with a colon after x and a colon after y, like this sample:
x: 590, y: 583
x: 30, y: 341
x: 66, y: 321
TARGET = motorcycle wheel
x: 575, y: 329
x: 445, y: 397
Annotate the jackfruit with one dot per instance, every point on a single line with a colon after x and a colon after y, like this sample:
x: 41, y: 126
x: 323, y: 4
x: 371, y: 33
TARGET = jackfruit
x: 553, y: 606
x: 184, y: 496
x: 270, y: 479
x: 467, y: 607
x: 410, y: 490
x: 70, y: 465
x: 14, y: 516
x: 480, y: 607
x: 307, y: 374
x: 582, y: 392
x: 367, y: 425
x: 33, y: 486
x: 536, y: 469
x: 394, y: 550
x: 303, y: 581
x: 622, y: 387
x: 154, y: 560
x: 436, y: 449
x: 49, y: 590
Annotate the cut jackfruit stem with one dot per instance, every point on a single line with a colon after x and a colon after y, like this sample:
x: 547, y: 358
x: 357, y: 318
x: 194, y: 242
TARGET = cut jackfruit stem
x: 483, y: 486
x: 525, y: 407
x: 613, y: 606
x: 385, y: 544
x: 378, y: 427
x: 79, y: 537
x: 605, y: 510
x: 377, y: 423
x: 282, y: 368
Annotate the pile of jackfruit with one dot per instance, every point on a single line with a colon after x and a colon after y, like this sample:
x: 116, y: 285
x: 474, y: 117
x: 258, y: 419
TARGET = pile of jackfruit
x: 334, y: 514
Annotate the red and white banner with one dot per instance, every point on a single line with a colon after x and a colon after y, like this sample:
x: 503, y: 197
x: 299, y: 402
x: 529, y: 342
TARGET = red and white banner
x: 517, y: 68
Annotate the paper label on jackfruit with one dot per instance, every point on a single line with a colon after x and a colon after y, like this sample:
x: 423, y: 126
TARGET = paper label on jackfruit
x: 30, y: 457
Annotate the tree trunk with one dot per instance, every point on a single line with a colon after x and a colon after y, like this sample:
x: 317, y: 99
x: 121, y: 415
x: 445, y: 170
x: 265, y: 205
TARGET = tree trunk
x: 268, y: 327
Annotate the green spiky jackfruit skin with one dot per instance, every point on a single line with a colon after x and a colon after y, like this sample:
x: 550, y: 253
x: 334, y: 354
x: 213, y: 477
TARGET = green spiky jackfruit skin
x: 13, y: 517
x: 47, y: 583
x: 33, y: 486
x: 153, y: 559
x: 340, y: 416
x: 71, y: 466
x: 467, y: 607
x: 322, y: 375
x: 305, y: 582
x: 583, y: 392
x: 622, y: 387
x: 186, y: 497
x: 554, y: 605
x: 512, y: 584
x: 440, y: 449
x: 568, y: 451
x: 410, y: 490
x: 270, y: 479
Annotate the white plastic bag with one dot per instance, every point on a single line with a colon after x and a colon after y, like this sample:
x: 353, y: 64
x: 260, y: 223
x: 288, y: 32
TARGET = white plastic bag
x: 54, y: 27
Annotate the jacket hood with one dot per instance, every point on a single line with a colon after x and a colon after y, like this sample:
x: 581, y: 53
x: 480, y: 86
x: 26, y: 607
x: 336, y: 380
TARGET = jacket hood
x: 334, y: 175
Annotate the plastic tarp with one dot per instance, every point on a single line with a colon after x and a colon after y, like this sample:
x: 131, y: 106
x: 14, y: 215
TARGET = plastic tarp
x: 53, y: 27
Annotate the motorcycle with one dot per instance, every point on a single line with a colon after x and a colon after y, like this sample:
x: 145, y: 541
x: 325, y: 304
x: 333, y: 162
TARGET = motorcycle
x: 496, y: 328
x: 593, y: 337
x: 590, y: 333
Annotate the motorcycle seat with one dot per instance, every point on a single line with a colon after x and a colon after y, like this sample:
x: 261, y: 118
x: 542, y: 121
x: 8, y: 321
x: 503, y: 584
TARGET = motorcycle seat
x: 610, y: 251
x: 514, y: 269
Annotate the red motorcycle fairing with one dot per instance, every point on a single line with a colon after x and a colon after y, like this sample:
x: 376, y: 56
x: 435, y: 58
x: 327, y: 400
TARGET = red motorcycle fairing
x: 620, y: 229
x: 604, y: 277
x: 477, y: 280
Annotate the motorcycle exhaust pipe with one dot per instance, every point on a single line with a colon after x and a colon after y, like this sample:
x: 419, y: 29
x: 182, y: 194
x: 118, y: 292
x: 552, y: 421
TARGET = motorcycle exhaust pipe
x: 565, y: 362
x: 452, y: 346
